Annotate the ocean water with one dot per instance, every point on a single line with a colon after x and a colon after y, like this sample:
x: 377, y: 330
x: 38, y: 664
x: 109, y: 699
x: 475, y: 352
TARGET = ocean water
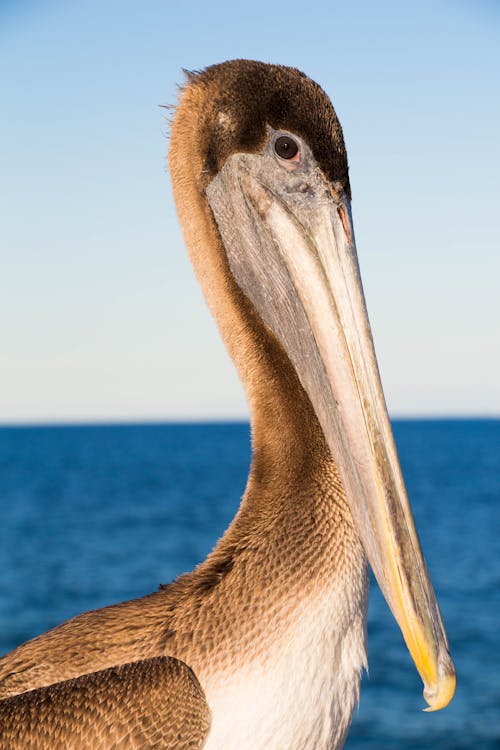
x: 95, y: 515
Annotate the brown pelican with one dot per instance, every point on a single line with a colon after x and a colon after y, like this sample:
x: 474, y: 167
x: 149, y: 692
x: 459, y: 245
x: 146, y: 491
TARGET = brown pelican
x: 263, y: 644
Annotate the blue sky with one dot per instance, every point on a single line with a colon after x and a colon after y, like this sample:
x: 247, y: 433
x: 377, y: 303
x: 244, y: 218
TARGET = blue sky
x: 101, y: 317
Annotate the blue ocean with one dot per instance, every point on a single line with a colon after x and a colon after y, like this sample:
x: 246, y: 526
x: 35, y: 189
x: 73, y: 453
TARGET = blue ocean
x: 94, y: 515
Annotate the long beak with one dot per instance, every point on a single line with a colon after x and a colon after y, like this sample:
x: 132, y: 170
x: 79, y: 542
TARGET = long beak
x: 297, y: 263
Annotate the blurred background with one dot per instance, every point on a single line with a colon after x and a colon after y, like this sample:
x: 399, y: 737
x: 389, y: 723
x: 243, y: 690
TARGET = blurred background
x: 102, y: 321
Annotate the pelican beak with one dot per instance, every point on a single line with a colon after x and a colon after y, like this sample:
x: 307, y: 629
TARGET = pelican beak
x: 292, y: 251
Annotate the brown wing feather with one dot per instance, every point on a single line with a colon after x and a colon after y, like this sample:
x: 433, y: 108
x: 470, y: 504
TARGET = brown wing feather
x: 150, y: 704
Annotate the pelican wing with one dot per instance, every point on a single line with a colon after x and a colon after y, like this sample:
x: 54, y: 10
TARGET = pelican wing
x: 154, y: 703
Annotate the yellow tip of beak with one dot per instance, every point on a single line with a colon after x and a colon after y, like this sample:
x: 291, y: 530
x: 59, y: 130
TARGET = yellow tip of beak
x: 441, y: 694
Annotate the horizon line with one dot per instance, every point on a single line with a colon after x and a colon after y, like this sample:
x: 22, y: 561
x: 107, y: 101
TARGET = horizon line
x: 241, y: 420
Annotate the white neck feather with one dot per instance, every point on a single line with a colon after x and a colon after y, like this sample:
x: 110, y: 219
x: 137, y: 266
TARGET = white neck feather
x: 299, y: 694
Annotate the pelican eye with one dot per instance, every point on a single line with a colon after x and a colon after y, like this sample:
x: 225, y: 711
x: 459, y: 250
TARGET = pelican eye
x: 286, y: 147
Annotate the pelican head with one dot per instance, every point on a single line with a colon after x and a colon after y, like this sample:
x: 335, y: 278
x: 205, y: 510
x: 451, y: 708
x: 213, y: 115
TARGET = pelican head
x: 259, y: 160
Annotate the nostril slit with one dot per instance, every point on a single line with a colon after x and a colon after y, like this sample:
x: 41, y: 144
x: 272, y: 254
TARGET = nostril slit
x: 345, y: 222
